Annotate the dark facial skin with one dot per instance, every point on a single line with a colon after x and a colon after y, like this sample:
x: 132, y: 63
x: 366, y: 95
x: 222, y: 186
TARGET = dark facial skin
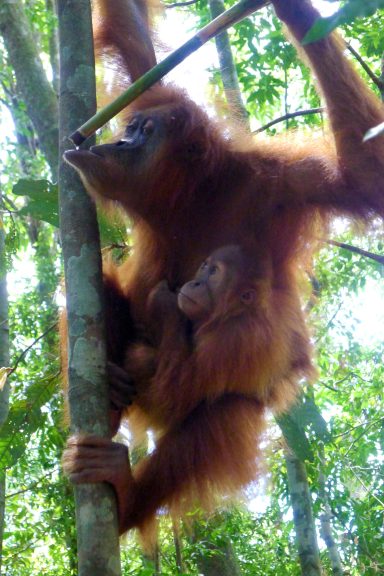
x: 107, y: 167
x: 217, y: 276
x: 123, y: 169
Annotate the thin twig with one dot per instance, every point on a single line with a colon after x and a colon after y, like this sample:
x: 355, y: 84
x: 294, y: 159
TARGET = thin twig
x: 33, y: 485
x: 329, y: 323
x: 30, y: 545
x: 365, y: 67
x: 367, y: 488
x: 181, y: 4
x: 329, y: 387
x: 376, y: 257
x: 368, y: 424
x: 352, y: 375
x: 25, y: 352
x: 349, y: 375
x: 362, y: 544
x: 290, y: 115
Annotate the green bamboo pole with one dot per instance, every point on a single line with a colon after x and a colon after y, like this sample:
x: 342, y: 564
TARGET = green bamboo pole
x: 225, y: 20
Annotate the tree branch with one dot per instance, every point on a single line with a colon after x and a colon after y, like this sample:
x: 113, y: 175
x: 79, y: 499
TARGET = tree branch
x: 365, y: 67
x: 318, y: 110
x: 329, y: 323
x: 181, y: 4
x: 360, y: 425
x: 376, y: 257
x: 25, y: 352
x: 33, y: 485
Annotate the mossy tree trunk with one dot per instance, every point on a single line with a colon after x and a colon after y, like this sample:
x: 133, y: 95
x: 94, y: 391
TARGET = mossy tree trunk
x: 4, y: 362
x: 326, y: 520
x: 96, y: 513
x: 228, y: 68
x: 32, y: 83
x: 306, y: 538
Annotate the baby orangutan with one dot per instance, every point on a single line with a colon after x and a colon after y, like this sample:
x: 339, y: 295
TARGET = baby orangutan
x: 220, y: 288
x: 202, y: 402
x: 220, y: 282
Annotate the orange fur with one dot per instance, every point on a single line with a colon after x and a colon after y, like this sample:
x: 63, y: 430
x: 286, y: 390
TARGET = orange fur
x: 193, y: 191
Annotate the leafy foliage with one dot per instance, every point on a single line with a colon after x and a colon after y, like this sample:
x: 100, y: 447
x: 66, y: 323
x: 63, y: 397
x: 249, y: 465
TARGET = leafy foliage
x: 43, y: 205
x: 351, y: 10
x: 337, y: 428
x: 43, y: 202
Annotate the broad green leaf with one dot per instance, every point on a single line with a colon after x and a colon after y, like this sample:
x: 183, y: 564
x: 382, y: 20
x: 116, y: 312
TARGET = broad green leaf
x: 348, y: 13
x: 112, y: 230
x: 374, y: 132
x: 24, y: 418
x: 308, y: 414
x: 43, y: 205
x: 43, y: 200
x: 294, y: 434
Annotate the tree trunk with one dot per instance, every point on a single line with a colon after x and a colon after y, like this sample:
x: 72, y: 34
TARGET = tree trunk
x: 178, y: 547
x: 96, y: 512
x: 4, y: 362
x: 2, y: 514
x: 306, y: 538
x: 228, y: 68
x: 325, y: 521
x: 214, y: 558
x: 220, y: 562
x: 32, y: 83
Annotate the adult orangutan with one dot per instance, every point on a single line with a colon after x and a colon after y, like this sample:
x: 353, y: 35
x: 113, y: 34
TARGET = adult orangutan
x: 191, y: 189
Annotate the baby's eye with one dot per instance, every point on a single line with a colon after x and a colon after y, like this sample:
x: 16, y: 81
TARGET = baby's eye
x: 213, y: 270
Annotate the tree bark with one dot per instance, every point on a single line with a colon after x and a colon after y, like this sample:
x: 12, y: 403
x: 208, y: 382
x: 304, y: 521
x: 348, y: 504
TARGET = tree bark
x: 214, y: 559
x: 4, y: 362
x: 54, y: 49
x: 178, y: 547
x: 306, y: 538
x: 32, y: 83
x: 228, y: 68
x: 96, y: 511
x: 325, y: 521
x: 220, y: 562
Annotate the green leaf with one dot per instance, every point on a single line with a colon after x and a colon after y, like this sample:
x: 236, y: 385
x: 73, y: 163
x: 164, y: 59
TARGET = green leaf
x: 112, y: 230
x: 25, y: 417
x: 43, y: 205
x: 321, y: 28
x: 295, y: 436
x: 374, y: 132
x: 43, y: 200
x: 313, y: 417
x: 348, y: 13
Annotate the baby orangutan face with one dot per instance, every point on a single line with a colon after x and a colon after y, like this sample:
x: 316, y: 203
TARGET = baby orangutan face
x: 220, y: 277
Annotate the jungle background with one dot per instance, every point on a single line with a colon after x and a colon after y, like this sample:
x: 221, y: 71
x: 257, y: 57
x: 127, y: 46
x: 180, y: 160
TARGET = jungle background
x: 322, y: 493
